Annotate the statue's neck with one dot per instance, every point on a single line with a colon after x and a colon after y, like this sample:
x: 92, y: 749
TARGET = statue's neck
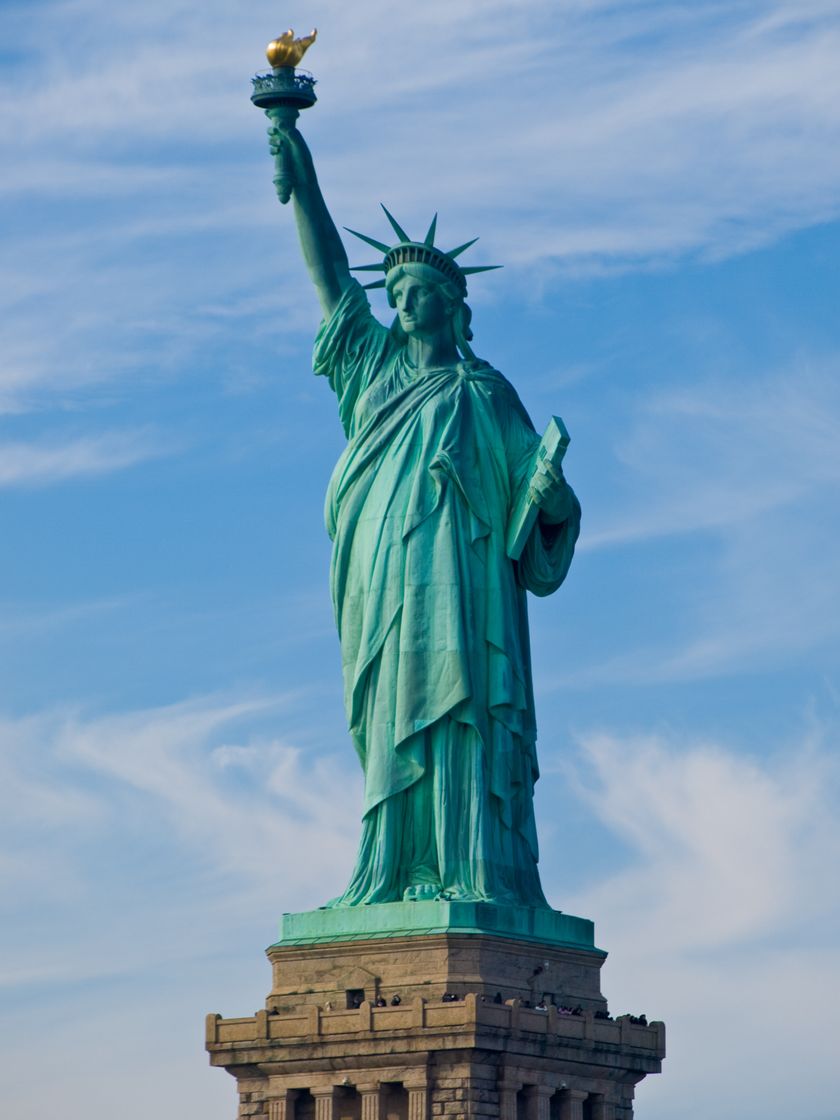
x: 431, y: 352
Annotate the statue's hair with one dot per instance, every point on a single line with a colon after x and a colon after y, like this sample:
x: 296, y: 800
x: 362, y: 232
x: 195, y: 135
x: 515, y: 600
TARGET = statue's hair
x: 460, y: 313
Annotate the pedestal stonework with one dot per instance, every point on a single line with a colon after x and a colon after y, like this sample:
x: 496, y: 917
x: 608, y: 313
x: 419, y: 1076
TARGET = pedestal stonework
x: 324, y: 1050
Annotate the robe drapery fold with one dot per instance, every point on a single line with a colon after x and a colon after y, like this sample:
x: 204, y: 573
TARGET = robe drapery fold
x: 432, y: 617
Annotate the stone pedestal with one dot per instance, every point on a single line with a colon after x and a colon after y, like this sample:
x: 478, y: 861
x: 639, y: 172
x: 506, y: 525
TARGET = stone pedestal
x: 356, y: 1026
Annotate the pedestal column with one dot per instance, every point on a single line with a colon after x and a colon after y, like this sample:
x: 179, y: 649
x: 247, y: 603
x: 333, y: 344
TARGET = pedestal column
x: 507, y: 1099
x: 324, y: 1103
x: 602, y: 1109
x: 282, y: 1107
x: 571, y: 1104
x: 418, y: 1102
x: 371, y: 1101
x: 539, y: 1102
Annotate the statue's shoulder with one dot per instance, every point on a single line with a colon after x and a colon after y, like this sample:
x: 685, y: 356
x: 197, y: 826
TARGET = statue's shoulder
x: 351, y: 331
x: 494, y: 383
x: 476, y: 369
x: 355, y: 305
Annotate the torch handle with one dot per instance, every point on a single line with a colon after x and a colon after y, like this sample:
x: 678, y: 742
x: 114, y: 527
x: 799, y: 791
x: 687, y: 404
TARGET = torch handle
x: 283, y: 117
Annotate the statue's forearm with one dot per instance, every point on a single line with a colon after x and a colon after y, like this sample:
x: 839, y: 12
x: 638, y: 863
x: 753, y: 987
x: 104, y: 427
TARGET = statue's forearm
x: 320, y: 243
x: 323, y: 251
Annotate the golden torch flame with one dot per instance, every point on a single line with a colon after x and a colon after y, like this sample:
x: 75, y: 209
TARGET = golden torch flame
x: 286, y: 50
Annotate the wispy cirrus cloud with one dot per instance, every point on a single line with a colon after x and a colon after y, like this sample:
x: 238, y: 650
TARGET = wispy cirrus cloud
x: 747, y: 468
x: 703, y: 821
x: 726, y: 914
x: 652, y: 132
x: 231, y: 802
x: 43, y: 463
x: 147, y: 857
x: 18, y: 621
x: 724, y: 452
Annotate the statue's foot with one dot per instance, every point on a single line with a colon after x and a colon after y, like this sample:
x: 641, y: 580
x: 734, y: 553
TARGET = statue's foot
x: 421, y: 892
x: 463, y: 894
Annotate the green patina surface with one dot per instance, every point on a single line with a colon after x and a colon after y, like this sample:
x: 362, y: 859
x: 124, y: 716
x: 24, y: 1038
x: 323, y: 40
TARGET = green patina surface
x: 405, y: 919
x: 430, y: 601
x: 432, y: 615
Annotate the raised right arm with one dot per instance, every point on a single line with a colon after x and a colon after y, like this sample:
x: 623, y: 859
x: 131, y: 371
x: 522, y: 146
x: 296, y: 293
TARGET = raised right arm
x: 320, y: 243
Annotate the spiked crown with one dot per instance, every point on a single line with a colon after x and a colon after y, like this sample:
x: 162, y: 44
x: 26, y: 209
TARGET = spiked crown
x: 425, y: 252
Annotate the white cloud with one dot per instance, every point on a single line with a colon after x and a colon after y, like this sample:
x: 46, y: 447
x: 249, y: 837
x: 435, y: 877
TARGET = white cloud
x: 727, y: 845
x: 252, y: 820
x: 149, y: 855
x: 19, y: 622
x: 169, y: 756
x: 131, y: 302
x: 747, y: 466
x: 725, y: 922
x: 725, y: 452
x: 583, y: 135
x: 42, y: 463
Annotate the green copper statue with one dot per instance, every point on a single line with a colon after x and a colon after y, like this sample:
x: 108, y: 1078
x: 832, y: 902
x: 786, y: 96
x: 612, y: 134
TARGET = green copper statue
x: 431, y: 610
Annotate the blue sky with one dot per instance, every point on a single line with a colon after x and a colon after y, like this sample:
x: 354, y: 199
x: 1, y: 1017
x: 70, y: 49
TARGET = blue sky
x: 662, y: 183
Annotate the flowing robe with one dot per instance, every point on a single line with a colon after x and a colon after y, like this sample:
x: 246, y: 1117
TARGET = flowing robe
x: 432, y: 617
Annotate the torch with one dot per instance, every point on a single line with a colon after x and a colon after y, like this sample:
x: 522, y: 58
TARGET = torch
x: 282, y: 94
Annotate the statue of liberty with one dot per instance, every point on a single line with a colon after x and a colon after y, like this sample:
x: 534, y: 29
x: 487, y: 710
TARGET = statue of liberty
x: 430, y: 607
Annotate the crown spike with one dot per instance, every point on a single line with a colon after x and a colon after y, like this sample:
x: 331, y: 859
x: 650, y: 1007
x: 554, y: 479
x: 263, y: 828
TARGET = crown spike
x: 375, y: 284
x: 370, y: 240
x: 453, y: 253
x: 430, y: 233
x: 369, y: 267
x: 480, y: 268
x: 395, y: 225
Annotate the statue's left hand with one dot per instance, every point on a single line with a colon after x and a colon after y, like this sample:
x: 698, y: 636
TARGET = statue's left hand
x: 551, y: 492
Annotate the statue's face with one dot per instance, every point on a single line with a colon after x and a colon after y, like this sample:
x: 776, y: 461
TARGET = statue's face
x: 420, y: 306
